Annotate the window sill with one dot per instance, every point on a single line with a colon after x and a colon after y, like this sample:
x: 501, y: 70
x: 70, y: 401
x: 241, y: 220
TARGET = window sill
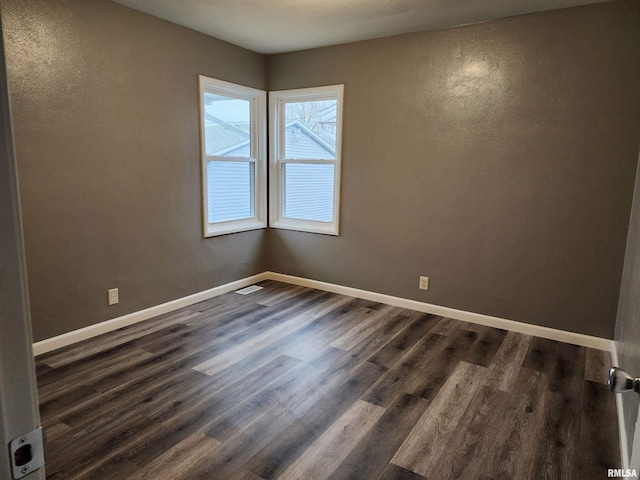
x: 233, y: 227
x: 308, y: 227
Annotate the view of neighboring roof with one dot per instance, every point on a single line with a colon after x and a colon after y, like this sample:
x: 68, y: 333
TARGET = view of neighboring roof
x: 328, y: 114
x: 300, y: 142
x: 222, y: 138
x: 225, y: 139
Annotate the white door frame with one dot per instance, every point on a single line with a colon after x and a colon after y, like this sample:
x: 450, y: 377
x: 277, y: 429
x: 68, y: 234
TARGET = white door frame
x: 18, y: 391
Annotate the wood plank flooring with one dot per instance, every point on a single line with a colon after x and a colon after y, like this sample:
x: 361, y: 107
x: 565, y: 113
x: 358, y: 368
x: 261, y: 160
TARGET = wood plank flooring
x: 294, y: 383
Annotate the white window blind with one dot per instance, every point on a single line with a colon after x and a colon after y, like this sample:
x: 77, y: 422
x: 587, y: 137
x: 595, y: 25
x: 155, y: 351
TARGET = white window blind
x: 308, y: 191
x: 230, y: 191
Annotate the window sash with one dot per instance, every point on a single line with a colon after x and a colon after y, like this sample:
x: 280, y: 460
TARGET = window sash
x: 215, y: 158
x: 256, y: 160
x: 280, y: 158
x: 308, y: 160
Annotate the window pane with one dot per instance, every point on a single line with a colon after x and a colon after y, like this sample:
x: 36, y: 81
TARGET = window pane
x: 227, y: 126
x: 308, y: 191
x: 310, y: 129
x: 230, y: 190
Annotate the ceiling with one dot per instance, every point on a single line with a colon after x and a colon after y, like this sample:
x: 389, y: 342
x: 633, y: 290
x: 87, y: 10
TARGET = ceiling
x: 276, y: 26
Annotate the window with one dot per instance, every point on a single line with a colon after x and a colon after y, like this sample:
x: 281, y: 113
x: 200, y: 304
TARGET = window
x: 233, y: 144
x: 305, y: 159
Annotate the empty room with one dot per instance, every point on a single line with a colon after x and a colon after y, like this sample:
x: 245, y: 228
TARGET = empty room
x: 320, y: 239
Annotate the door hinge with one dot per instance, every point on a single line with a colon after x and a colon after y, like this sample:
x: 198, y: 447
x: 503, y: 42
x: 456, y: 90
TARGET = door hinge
x: 27, y: 453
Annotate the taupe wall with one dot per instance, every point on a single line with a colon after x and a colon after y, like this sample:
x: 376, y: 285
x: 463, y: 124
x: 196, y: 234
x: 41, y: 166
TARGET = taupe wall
x: 627, y: 334
x: 105, y: 108
x: 497, y: 159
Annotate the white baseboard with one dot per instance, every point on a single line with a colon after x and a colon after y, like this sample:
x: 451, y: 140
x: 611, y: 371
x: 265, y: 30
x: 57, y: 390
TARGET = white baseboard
x: 622, y: 427
x: 75, y: 336
x: 519, y: 327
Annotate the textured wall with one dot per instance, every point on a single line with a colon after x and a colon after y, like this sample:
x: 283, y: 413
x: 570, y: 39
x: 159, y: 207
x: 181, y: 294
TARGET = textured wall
x: 627, y: 333
x: 105, y: 110
x: 498, y: 159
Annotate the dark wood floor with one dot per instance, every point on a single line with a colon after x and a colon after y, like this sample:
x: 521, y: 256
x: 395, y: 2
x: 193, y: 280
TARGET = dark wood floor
x: 295, y: 383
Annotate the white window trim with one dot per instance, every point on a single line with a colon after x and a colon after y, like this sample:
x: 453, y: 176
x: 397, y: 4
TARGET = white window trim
x: 258, y: 99
x: 277, y: 100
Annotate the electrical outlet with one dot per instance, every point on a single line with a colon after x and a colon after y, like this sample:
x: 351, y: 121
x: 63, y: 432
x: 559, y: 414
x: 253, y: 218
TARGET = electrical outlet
x: 113, y: 296
x: 424, y: 283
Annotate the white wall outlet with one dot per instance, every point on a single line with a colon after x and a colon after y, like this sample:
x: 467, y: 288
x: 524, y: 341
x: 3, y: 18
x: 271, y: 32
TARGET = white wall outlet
x: 424, y: 283
x: 113, y: 296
